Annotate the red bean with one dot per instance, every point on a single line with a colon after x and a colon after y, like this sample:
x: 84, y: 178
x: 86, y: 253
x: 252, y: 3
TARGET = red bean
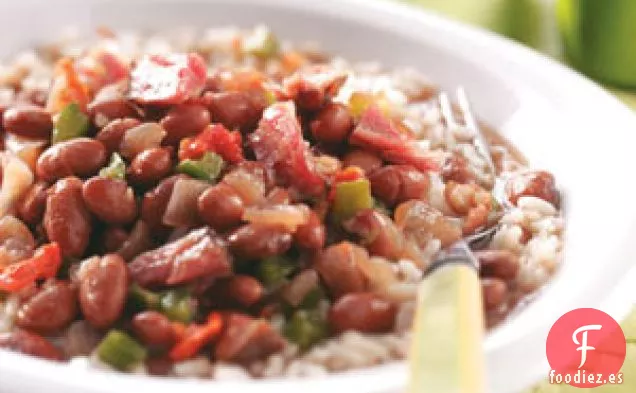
x: 81, y: 157
x: 183, y: 121
x: 363, y: 312
x: 254, y: 241
x: 221, y: 207
x: 418, y: 220
x: 155, y: 201
x: 113, y: 133
x: 235, y: 109
x: 494, y: 292
x: 51, y: 309
x: 33, y: 96
x: 102, y: 289
x: 111, y: 103
x: 150, y: 166
x: 66, y: 219
x: 239, y: 290
x: 332, y: 124
x: 159, y: 366
x: 364, y: 160
x: 501, y: 264
x: 538, y: 184
x: 339, y: 268
x: 310, y: 99
x: 31, y: 206
x: 27, y: 343
x: 139, y: 241
x: 246, y: 339
x: 456, y: 169
x: 378, y: 233
x: 395, y: 184
x: 312, y: 234
x: 28, y: 121
x: 112, y: 239
x: 153, y: 328
x: 111, y: 200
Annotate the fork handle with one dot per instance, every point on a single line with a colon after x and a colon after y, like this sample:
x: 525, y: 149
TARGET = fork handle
x: 447, y: 345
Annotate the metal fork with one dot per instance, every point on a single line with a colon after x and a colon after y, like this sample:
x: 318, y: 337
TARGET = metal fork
x: 479, y: 141
x: 448, y: 329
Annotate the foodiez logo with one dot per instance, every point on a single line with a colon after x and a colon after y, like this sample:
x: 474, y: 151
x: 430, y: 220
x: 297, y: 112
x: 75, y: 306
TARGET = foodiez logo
x: 586, y: 348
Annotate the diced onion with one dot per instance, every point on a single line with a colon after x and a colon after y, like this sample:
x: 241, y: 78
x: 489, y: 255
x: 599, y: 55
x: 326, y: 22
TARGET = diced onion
x: 288, y: 216
x: 182, y: 207
x: 249, y: 186
x: 296, y: 291
x: 16, y: 241
x: 16, y: 179
x: 26, y: 149
x: 144, y: 136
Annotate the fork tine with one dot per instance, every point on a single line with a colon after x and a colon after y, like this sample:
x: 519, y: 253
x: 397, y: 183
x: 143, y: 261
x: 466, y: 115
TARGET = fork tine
x: 471, y: 123
x: 447, y: 110
x: 464, y: 107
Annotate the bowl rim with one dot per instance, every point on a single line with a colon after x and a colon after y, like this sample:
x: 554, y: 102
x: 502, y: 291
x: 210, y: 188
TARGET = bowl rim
x: 392, y: 376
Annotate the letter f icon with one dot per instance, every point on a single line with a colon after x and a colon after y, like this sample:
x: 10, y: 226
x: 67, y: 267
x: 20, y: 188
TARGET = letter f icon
x: 583, y: 344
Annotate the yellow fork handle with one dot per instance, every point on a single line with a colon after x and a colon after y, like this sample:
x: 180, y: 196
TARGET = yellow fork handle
x: 447, y: 345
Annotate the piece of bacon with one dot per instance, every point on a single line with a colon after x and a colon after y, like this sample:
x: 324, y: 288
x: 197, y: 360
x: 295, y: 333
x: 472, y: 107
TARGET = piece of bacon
x: 310, y: 87
x: 376, y: 133
x: 168, y: 79
x: 279, y: 143
x: 201, y: 253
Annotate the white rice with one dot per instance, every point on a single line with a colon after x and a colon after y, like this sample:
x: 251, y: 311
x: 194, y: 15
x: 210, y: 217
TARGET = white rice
x: 539, y: 255
x: 198, y: 367
x: 8, y: 312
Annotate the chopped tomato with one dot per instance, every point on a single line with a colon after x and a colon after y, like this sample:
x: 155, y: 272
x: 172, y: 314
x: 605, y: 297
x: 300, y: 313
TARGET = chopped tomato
x: 178, y: 330
x: 67, y: 88
x: 349, y: 174
x: 101, y: 67
x: 44, y: 264
x: 215, y: 138
x: 196, y: 336
x: 168, y: 79
x: 279, y: 143
x: 377, y: 133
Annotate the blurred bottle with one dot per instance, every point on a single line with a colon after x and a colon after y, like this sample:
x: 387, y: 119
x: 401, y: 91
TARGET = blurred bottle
x: 600, y: 38
x: 531, y: 22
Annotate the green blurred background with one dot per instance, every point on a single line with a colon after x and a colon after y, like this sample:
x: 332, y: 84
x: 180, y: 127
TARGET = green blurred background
x: 597, y: 37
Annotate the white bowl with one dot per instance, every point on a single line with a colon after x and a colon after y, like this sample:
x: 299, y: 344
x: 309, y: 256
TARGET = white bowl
x: 560, y: 120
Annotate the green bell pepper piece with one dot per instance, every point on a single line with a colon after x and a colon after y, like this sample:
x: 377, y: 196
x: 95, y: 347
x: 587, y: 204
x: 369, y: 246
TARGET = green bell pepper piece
x: 206, y: 168
x: 261, y: 43
x: 351, y: 197
x: 71, y: 123
x: 143, y: 299
x: 120, y: 351
x: 274, y: 271
x: 177, y: 305
x: 116, y: 169
x: 305, y: 328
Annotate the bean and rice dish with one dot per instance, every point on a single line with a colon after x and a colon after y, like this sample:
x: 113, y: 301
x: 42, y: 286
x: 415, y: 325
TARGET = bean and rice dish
x: 221, y: 204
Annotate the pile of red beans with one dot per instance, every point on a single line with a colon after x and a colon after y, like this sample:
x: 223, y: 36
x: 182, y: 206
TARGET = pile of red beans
x: 303, y: 202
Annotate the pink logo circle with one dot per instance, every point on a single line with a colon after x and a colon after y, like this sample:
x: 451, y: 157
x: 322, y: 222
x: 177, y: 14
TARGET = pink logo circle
x: 586, y: 348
